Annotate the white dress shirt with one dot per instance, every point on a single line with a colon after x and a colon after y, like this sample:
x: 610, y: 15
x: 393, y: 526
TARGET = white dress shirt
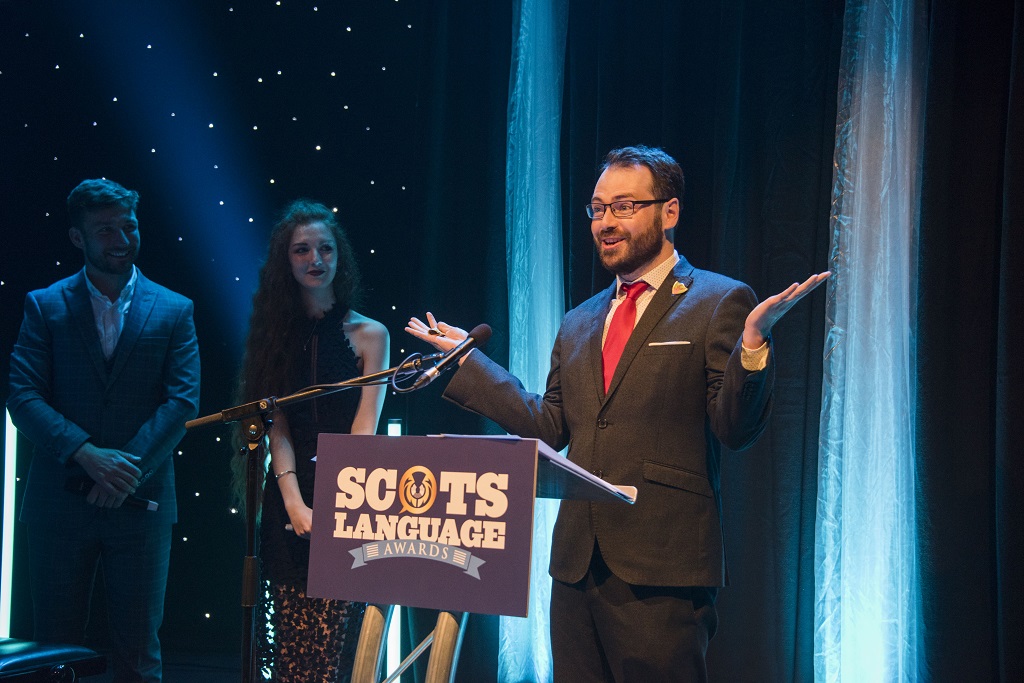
x: 109, y: 315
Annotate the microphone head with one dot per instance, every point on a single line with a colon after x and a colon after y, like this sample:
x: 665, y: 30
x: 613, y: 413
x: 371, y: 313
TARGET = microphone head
x: 481, y: 333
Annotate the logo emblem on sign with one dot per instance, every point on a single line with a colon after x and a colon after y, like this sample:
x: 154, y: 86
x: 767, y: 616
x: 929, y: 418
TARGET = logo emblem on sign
x: 417, y: 490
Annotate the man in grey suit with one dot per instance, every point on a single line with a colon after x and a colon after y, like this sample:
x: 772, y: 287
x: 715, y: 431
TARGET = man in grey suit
x: 648, y: 380
x: 104, y: 375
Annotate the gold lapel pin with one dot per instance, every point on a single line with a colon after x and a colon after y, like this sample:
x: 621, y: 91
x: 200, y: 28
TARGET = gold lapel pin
x: 679, y: 287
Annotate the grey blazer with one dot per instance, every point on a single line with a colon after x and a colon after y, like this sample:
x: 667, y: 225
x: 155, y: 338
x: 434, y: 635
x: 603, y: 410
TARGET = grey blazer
x: 64, y: 393
x: 679, y: 393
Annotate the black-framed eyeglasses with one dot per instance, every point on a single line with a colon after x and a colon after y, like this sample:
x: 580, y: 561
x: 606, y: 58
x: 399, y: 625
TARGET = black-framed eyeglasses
x: 622, y: 209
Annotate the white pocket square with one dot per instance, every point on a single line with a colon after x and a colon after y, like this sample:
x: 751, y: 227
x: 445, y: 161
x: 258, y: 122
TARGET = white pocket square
x: 668, y: 343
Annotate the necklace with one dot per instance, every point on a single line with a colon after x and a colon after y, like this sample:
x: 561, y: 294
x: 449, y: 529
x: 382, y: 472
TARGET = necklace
x: 316, y: 324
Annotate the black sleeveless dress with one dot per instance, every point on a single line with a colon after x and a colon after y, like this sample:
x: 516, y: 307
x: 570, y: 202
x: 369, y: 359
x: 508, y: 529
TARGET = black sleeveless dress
x: 307, y: 639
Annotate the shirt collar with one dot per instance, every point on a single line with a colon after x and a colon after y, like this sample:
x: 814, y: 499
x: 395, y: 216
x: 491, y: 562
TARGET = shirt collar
x: 126, y: 293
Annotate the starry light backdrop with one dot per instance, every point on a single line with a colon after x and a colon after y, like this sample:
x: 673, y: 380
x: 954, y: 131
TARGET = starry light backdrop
x: 218, y: 113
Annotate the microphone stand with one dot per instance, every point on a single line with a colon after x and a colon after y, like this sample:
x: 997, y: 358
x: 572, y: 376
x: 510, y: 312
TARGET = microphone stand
x: 255, y: 418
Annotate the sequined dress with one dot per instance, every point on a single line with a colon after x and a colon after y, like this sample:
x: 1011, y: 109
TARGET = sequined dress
x: 307, y: 639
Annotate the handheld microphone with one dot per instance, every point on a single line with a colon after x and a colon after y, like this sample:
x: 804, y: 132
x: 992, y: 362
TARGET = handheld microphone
x: 83, y: 486
x: 478, y: 336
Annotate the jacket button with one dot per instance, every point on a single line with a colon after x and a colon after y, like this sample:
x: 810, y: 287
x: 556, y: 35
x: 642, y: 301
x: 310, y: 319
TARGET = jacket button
x: 602, y: 423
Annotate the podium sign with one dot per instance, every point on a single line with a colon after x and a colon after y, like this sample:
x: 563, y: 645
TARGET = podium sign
x: 443, y: 523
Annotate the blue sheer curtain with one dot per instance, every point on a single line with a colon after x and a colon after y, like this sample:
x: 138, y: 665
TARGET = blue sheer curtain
x: 536, y: 304
x: 866, y: 570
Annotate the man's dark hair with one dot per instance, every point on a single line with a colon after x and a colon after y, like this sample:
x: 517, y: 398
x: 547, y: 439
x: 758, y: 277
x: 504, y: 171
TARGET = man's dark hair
x: 98, y: 193
x: 668, y: 176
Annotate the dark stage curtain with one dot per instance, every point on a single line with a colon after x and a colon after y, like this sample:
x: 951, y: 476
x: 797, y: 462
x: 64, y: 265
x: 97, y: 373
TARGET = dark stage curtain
x: 971, y: 475
x: 743, y: 95
x: 457, y: 264
x: 457, y: 268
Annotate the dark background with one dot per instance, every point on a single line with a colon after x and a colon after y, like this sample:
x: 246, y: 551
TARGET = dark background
x: 412, y: 136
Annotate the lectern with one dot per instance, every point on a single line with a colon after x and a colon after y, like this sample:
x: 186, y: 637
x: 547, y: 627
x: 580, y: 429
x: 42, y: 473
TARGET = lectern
x: 443, y: 522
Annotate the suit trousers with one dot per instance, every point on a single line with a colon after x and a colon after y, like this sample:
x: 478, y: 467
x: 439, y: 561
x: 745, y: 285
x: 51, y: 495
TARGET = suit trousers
x: 604, y: 630
x: 134, y: 559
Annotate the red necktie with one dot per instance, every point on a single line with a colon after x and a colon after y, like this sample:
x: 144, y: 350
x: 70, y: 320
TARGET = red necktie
x: 619, y: 330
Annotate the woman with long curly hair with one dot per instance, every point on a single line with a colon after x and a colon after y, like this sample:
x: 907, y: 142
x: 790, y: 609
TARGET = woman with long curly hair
x: 304, y: 330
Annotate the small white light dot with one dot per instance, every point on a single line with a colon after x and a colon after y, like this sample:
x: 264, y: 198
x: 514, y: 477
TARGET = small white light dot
x: 214, y: 74
x: 179, y: 452
x: 408, y: 25
x: 383, y: 68
x: 218, y: 438
x: 94, y: 123
x: 197, y: 494
x: 345, y: 107
x: 278, y: 72
x: 149, y: 47
x: 403, y: 187
x: 372, y: 182
x: 216, y: 166
x: 208, y: 614
x: 237, y: 279
x: 81, y: 35
x: 394, y: 308
x: 234, y: 511
x: 335, y: 209
x: 172, y: 113
x: 153, y: 150
x: 318, y: 148
x: 185, y: 539
x: 250, y: 220
x: 211, y: 125
x: 259, y: 80
x: 367, y: 128
x: 255, y: 127
x: 222, y: 204
x: 115, y: 99
x: 55, y: 158
x: 57, y: 67
x: 271, y: 181
x: 58, y: 263
x: 295, y: 118
x: 348, y: 28
x: 333, y: 74
x: 373, y: 251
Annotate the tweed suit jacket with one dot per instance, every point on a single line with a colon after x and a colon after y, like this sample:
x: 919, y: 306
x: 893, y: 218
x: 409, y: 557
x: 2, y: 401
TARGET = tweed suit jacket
x: 678, y: 394
x: 64, y: 393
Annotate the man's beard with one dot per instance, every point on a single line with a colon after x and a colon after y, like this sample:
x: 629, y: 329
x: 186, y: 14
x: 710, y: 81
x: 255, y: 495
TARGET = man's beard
x: 110, y: 266
x: 641, y: 248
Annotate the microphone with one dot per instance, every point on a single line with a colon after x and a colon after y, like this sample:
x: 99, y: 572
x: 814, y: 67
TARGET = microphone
x: 83, y: 486
x: 478, y: 336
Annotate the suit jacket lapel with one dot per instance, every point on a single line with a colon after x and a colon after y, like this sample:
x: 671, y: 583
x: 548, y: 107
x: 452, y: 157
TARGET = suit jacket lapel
x: 142, y: 305
x: 663, y: 301
x: 76, y: 296
x: 596, y: 334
